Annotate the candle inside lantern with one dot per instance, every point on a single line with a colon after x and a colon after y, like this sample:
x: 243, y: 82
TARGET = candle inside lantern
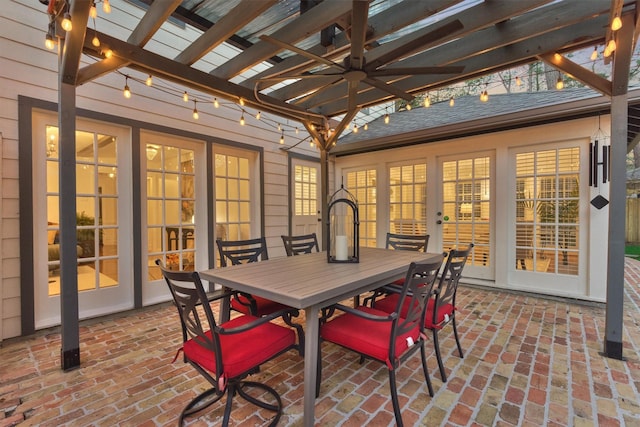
x: 342, y: 249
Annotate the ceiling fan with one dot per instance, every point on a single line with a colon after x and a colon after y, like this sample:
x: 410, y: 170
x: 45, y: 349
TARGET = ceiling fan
x: 356, y: 68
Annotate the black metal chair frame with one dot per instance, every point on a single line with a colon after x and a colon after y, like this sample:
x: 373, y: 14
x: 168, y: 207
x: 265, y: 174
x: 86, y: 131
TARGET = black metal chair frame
x: 445, y: 293
x: 241, y: 252
x: 302, y: 244
x: 417, y: 289
x: 195, y: 313
x: 407, y: 242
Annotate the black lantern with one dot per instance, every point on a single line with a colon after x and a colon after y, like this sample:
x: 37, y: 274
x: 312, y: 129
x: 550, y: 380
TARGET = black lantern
x: 343, y: 227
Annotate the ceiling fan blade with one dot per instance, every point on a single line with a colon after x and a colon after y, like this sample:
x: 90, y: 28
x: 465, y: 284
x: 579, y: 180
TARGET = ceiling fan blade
x: 299, y: 51
x: 359, y: 16
x: 411, y: 45
x: 281, y: 77
x: 305, y: 98
x: 399, y: 71
x: 388, y: 88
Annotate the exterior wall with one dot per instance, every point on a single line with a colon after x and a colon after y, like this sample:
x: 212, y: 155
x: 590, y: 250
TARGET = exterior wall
x: 28, y: 69
x: 499, y: 143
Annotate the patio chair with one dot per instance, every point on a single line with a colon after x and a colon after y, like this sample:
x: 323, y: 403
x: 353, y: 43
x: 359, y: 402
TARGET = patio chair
x: 400, y: 242
x: 388, y: 338
x: 441, y: 308
x: 226, y: 354
x: 302, y: 244
x: 235, y: 252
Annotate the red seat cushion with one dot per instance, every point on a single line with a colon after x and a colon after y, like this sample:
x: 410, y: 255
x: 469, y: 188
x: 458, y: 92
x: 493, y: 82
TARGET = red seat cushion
x: 265, y: 306
x: 242, y: 351
x: 389, y: 304
x: 366, y: 336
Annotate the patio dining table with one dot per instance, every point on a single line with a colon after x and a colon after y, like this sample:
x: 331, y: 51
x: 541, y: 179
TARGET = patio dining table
x: 309, y: 282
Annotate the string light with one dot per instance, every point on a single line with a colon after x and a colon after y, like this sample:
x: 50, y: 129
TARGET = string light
x: 616, y: 24
x: 258, y: 115
x: 95, y: 41
x: 93, y: 12
x: 185, y: 96
x: 66, y: 22
x: 408, y: 107
x: 149, y: 80
x: 241, y: 101
x: 127, y: 92
x: 279, y: 127
x: 366, y: 126
x: 386, y: 119
x: 518, y: 81
x: 355, y: 128
x: 196, y: 116
x: 452, y: 102
x: 106, y: 6
x: 108, y: 53
x: 594, y: 54
x: 242, y: 119
x: 216, y: 104
x: 612, y: 45
x: 559, y: 83
x: 427, y: 101
x: 49, y: 42
x: 297, y: 130
x: 282, y: 138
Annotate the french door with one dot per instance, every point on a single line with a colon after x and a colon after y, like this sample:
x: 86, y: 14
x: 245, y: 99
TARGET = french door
x: 103, y: 218
x: 305, y: 198
x: 464, y: 211
x: 174, y: 212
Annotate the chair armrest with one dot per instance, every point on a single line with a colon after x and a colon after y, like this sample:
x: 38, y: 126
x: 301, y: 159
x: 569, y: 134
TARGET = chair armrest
x: 365, y: 315
x: 219, y: 294
x: 256, y: 322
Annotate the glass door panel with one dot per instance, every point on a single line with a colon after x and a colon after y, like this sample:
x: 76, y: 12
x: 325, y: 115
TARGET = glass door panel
x: 466, y: 209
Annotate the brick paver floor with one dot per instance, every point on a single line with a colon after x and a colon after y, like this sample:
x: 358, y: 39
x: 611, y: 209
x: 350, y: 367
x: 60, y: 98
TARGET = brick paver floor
x: 529, y: 361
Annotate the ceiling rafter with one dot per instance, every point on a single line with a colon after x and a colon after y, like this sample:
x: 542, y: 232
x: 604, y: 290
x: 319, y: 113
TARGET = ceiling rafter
x: 473, y: 19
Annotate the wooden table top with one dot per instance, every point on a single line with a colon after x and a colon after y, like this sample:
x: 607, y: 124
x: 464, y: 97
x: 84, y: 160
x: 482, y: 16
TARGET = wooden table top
x: 305, y: 280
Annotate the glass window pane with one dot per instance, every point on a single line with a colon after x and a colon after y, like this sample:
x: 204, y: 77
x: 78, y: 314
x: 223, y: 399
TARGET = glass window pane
x: 154, y: 212
x: 171, y: 185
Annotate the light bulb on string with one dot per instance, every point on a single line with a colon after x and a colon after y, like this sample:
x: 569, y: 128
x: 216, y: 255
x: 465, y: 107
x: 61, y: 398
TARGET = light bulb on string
x: 311, y: 144
x: 616, y: 24
x: 66, y: 22
x: 282, y: 138
x: 185, y: 96
x: 241, y: 101
x: 427, y: 102
x: 452, y: 102
x: 106, y: 6
x: 258, y: 115
x: 594, y: 54
x: 126, y: 92
x: 108, y: 53
x: 95, y: 41
x: 518, y: 81
x: 149, y: 81
x: 355, y: 128
x: 242, y: 119
x: 408, y: 107
x: 366, y: 126
x: 612, y: 45
x: 93, y: 12
x: 607, y: 52
x: 279, y: 127
x: 49, y: 42
x: 559, y: 83
x: 196, y: 116
x: 216, y: 104
x: 297, y: 130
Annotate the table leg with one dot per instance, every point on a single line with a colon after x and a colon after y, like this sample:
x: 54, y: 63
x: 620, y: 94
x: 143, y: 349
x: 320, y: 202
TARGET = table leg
x: 312, y: 331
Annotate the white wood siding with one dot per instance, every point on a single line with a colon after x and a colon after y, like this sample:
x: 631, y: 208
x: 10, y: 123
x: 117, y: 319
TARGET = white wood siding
x: 28, y: 68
